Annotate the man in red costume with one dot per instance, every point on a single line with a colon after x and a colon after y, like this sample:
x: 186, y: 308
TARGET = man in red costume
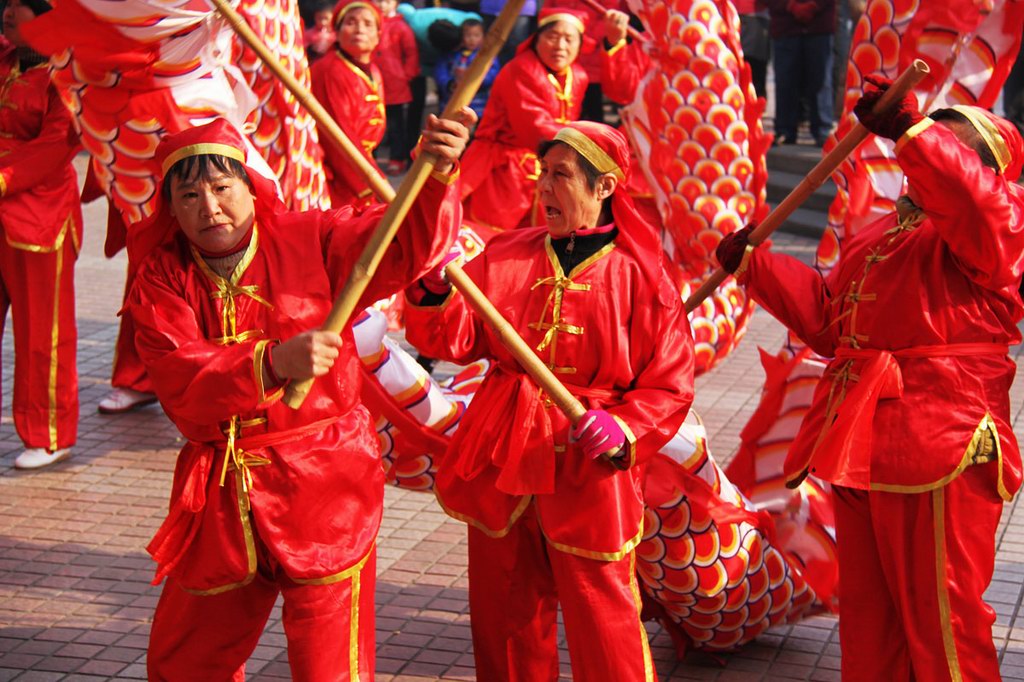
x: 350, y: 87
x: 41, y: 223
x: 534, y: 95
x: 266, y: 500
x: 911, y: 422
x: 555, y: 512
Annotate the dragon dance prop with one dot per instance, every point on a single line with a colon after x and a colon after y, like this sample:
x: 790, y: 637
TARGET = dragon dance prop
x: 281, y: 128
x: 969, y: 53
x: 134, y: 71
x: 695, y: 124
x: 709, y: 563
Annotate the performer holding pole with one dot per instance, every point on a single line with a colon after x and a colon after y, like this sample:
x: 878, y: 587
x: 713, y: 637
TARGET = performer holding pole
x: 549, y: 523
x: 267, y: 500
x: 911, y: 421
x: 819, y: 174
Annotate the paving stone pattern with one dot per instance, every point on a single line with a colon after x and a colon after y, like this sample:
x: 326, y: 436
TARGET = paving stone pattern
x: 75, y: 598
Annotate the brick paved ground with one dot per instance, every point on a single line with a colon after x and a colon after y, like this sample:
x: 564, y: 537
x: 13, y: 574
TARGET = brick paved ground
x: 75, y: 599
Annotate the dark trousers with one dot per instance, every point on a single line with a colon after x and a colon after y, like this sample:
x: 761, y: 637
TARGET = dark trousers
x: 397, y: 133
x: 803, y: 78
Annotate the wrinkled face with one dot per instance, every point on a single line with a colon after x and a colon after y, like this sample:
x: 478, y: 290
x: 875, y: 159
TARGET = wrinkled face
x: 569, y: 203
x: 358, y: 34
x: 473, y: 37
x: 16, y: 14
x: 558, y: 46
x: 214, y: 214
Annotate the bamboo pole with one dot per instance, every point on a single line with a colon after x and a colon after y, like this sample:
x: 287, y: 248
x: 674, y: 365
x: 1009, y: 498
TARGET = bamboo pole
x: 821, y: 172
x: 324, y: 122
x: 515, y: 344
x: 400, y: 203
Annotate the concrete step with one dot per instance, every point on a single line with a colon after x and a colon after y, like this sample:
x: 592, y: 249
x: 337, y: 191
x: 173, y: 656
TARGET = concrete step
x: 781, y: 183
x: 805, y: 222
x: 787, y: 166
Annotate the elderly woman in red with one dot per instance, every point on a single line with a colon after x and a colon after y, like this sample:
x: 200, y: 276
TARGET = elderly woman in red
x: 534, y: 95
x: 266, y: 500
x: 350, y: 87
x: 555, y: 512
x: 911, y: 421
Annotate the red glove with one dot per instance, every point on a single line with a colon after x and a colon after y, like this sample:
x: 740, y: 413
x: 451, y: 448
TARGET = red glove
x: 599, y: 434
x: 892, y: 122
x: 732, y: 247
x: 802, y: 11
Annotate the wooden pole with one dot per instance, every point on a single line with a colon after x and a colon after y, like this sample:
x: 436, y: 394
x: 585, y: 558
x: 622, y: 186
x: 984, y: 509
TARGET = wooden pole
x: 400, y: 203
x: 515, y: 344
x: 324, y: 122
x: 821, y: 172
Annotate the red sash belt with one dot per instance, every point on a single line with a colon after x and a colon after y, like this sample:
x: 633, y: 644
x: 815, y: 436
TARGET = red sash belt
x: 842, y: 452
x: 188, y: 498
x: 508, y: 427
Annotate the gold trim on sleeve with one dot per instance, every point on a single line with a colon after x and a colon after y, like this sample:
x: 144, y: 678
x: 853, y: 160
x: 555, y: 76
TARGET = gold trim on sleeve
x: 447, y: 178
x: 616, y: 47
x: 748, y: 252
x: 630, y: 439
x: 912, y: 132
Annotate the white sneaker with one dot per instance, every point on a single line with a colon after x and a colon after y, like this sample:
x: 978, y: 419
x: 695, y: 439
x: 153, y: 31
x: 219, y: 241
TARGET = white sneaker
x: 124, y: 400
x: 36, y: 458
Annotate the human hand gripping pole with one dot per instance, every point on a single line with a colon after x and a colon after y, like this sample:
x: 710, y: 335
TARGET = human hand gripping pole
x: 821, y: 172
x: 400, y: 202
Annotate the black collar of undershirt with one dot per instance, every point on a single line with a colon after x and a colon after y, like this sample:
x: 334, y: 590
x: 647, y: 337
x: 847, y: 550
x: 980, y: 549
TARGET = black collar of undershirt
x: 583, y: 247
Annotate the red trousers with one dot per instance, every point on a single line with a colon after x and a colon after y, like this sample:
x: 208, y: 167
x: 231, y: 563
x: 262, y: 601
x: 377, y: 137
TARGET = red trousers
x: 912, y: 572
x: 128, y: 372
x: 329, y: 627
x: 39, y: 289
x: 515, y: 586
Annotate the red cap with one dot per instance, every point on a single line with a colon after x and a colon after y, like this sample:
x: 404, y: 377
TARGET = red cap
x: 549, y: 15
x: 345, y: 6
x: 607, y: 149
x: 1001, y: 136
x: 216, y: 137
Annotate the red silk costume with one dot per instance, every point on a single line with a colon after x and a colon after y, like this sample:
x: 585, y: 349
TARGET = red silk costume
x: 355, y: 99
x: 528, y: 104
x: 918, y: 315
x: 548, y: 524
x: 41, y: 223
x: 268, y: 498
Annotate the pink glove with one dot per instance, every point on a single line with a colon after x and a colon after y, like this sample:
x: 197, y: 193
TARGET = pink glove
x: 598, y: 434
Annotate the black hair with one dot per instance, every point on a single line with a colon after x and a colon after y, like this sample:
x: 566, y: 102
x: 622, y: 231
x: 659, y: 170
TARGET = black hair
x: 38, y: 7
x: 203, y: 167
x: 967, y: 134
x: 590, y: 172
x: 470, y: 23
x: 444, y: 36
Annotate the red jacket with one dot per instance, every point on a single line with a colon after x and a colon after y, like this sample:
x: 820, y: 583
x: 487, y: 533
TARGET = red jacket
x: 39, y: 202
x: 355, y: 99
x: 312, y: 477
x: 604, y: 333
x: 918, y: 317
x: 398, y: 59
x: 528, y: 104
